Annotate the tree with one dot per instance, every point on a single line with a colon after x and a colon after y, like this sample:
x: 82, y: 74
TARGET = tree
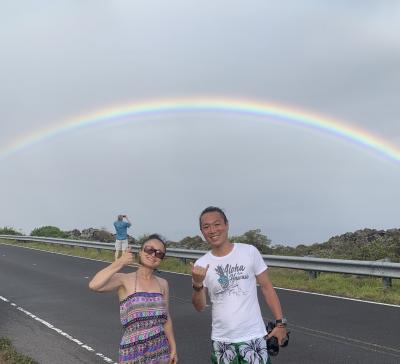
x: 254, y: 237
x: 49, y: 231
x: 6, y: 230
x: 193, y: 242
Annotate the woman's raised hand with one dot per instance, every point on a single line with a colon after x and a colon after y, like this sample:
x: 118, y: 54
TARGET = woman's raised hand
x: 127, y: 257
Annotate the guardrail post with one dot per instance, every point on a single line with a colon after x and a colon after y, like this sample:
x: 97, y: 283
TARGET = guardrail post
x: 313, y: 274
x: 387, y: 282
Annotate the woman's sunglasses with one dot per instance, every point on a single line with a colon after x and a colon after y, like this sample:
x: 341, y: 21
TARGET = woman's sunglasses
x: 157, y: 253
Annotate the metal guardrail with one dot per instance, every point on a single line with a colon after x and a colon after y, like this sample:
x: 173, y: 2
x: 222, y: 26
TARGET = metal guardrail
x: 384, y: 269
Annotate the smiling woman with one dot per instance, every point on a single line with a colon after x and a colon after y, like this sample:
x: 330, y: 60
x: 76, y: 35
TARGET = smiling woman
x: 148, y: 334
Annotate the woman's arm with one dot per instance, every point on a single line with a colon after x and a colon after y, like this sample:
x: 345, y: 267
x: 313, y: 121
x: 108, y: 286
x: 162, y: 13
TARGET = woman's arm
x: 108, y: 279
x: 168, y: 329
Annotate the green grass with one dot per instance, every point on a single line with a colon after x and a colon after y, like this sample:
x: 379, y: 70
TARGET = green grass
x: 8, y: 354
x: 106, y: 255
x: 175, y: 265
x: 365, y: 288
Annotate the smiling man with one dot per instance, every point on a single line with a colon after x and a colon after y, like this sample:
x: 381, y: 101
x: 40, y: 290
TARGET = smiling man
x: 230, y: 273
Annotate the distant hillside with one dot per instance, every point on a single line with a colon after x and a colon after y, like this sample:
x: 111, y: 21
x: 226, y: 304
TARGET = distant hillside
x: 196, y: 243
x: 365, y: 244
x: 92, y: 234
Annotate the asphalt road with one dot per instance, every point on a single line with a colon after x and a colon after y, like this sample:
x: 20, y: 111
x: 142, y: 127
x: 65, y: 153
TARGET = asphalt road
x: 49, y: 313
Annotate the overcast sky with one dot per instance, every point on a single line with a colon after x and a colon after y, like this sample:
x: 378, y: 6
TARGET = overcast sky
x: 62, y: 59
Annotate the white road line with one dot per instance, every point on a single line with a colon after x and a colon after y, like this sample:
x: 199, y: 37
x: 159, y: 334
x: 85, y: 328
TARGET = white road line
x: 59, y: 331
x: 339, y: 297
x: 346, y: 340
x: 280, y: 288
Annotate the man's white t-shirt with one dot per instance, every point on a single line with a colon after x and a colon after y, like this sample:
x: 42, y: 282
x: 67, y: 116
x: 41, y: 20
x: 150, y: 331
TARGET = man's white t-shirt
x: 231, y: 284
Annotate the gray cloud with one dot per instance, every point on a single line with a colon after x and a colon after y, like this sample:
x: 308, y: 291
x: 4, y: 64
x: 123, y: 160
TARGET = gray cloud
x: 297, y: 185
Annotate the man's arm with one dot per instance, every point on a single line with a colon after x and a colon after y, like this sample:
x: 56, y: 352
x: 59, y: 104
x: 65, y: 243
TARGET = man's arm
x: 198, y: 296
x: 272, y: 300
x: 127, y: 219
x: 199, y: 299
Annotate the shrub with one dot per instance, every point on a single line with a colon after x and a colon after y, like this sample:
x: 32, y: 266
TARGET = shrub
x: 9, y: 231
x: 49, y: 231
x: 8, y: 354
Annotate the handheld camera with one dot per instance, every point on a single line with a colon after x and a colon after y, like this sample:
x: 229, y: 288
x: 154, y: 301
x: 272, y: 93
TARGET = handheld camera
x: 272, y: 342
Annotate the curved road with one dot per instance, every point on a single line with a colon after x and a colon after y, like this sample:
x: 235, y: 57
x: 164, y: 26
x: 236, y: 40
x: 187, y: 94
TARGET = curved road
x: 50, y: 315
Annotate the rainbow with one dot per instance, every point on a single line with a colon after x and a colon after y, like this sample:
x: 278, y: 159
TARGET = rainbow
x: 219, y: 105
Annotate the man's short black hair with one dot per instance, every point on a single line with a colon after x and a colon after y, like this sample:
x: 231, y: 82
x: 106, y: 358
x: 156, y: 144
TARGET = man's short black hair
x: 213, y: 209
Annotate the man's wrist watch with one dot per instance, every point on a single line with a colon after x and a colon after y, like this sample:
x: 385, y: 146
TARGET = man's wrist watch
x: 281, y: 322
x: 197, y: 288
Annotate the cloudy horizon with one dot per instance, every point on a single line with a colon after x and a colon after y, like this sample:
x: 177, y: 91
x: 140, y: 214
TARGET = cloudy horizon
x: 339, y: 60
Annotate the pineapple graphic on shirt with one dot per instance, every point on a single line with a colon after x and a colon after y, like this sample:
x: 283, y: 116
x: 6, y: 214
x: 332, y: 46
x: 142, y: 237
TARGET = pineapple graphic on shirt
x: 223, y: 279
x: 228, y: 284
